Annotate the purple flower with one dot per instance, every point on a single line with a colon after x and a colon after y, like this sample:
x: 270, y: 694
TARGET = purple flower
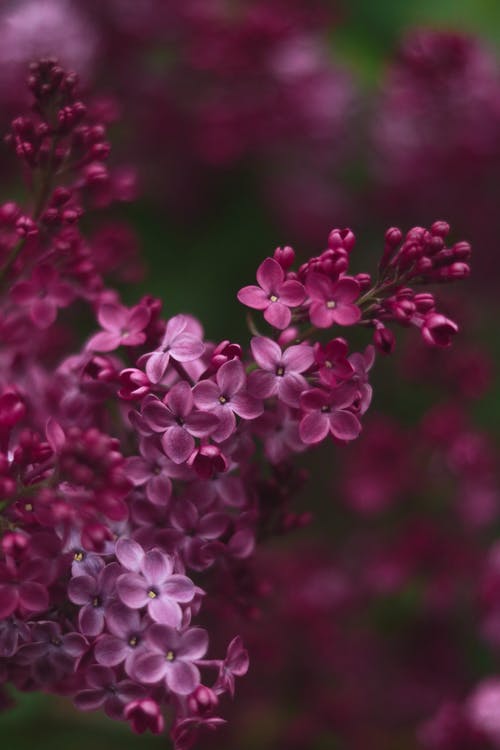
x: 362, y: 363
x: 42, y: 295
x: 105, y: 691
x: 151, y: 470
x: 328, y: 412
x: 280, y: 432
x: 171, y: 656
x: 227, y: 396
x: 94, y: 594
x: 181, y: 342
x: 25, y: 587
x: 437, y: 330
x: 332, y: 302
x: 175, y: 418
x: 122, y: 327
x: 125, y: 628
x: 274, y: 294
x: 144, y: 714
x: 152, y: 583
x: 197, y: 531
x: 280, y: 373
x: 50, y: 652
x: 234, y: 665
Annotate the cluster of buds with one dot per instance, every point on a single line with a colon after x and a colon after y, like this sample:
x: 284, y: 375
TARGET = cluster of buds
x: 141, y: 472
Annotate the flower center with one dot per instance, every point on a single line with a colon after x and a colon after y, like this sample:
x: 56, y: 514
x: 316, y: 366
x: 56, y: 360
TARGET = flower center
x: 78, y: 556
x: 325, y: 409
x: 170, y: 656
x: 223, y: 400
x: 328, y: 364
x: 133, y: 641
x: 96, y: 602
x: 28, y: 507
x: 330, y: 304
x: 273, y: 298
x: 152, y: 594
x: 280, y: 371
x: 56, y: 641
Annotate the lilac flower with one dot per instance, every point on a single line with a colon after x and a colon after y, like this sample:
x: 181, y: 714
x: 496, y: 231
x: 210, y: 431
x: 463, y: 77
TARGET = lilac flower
x: 51, y: 653
x: 234, y: 665
x: 42, y: 295
x: 152, y: 583
x: 25, y: 587
x: 274, y: 295
x: 179, y: 423
x: 280, y: 432
x: 226, y: 397
x: 328, y: 412
x: 332, y: 302
x: 437, y: 330
x: 280, y: 373
x: 185, y: 732
x: 122, y: 327
x: 144, y: 714
x: 11, y: 631
x: 332, y: 361
x: 197, y: 530
x: 125, y: 628
x: 362, y: 363
x: 171, y: 656
x: 181, y: 342
x: 94, y: 594
x: 151, y: 471
x: 106, y: 692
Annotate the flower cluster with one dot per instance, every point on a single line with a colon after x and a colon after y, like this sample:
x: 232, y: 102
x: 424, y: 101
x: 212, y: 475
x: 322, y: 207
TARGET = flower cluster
x: 140, y: 472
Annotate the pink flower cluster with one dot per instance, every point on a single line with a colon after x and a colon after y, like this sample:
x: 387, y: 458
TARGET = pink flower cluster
x: 140, y: 472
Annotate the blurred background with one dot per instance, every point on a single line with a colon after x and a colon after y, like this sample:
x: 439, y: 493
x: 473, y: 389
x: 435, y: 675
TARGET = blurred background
x: 240, y: 125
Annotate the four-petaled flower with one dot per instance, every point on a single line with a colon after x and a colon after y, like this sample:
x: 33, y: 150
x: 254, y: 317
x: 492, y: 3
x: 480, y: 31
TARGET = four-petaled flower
x: 122, y: 327
x: 329, y: 412
x: 152, y: 583
x: 281, y: 372
x: 332, y: 302
x: 181, y: 342
x: 275, y: 294
x: 179, y: 423
x: 171, y: 657
x: 225, y: 397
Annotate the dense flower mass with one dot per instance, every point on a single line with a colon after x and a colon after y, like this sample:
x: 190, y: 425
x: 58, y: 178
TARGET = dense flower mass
x: 140, y: 472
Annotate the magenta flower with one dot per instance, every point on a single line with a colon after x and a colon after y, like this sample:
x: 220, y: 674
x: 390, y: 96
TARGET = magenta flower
x: 437, y: 330
x: 280, y: 373
x: 181, y: 342
x: 105, y: 691
x: 225, y: 397
x: 332, y: 302
x: 51, y: 653
x: 43, y: 294
x: 332, y: 361
x: 152, y: 583
x: 151, y: 471
x: 328, y: 412
x: 274, y: 295
x: 94, y: 594
x: 25, y: 587
x: 234, y: 665
x: 171, y: 656
x: 122, y: 327
x: 125, y: 628
x: 144, y: 714
x: 175, y: 418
